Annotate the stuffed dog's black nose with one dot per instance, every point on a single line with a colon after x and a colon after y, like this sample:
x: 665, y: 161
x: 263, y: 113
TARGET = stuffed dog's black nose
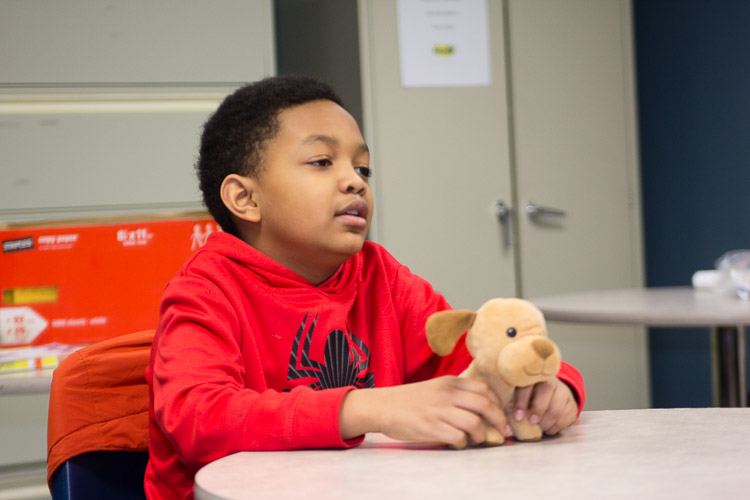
x: 542, y: 348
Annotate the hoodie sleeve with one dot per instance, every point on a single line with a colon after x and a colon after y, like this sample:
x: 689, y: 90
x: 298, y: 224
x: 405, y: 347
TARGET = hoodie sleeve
x: 202, y: 402
x: 415, y: 300
x: 574, y: 379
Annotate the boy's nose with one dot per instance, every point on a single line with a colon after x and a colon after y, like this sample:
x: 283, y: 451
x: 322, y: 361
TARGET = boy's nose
x: 352, y: 182
x: 357, y: 189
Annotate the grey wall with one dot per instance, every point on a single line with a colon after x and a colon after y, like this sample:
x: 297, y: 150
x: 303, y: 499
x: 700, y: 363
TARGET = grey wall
x: 321, y: 39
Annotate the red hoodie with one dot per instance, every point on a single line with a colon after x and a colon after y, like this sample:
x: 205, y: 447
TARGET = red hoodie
x: 249, y: 355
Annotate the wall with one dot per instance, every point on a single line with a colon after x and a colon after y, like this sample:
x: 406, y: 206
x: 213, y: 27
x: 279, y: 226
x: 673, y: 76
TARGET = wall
x: 694, y: 105
x: 332, y: 54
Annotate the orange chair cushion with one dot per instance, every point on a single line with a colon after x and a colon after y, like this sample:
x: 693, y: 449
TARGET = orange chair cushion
x: 99, y: 400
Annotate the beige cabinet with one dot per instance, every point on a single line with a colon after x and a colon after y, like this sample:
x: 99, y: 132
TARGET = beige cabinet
x: 134, y: 42
x: 102, y: 102
x: 555, y: 129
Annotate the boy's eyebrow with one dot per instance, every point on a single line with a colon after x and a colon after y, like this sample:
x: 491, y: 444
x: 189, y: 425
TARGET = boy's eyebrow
x: 330, y: 140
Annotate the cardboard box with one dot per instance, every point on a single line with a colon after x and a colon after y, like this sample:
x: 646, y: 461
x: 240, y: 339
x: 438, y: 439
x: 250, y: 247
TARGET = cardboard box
x: 83, y: 281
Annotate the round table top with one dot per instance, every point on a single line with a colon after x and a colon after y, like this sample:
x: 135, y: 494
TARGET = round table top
x: 677, y: 453
x: 667, y: 306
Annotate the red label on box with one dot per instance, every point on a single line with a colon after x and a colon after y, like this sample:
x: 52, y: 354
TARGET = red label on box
x: 83, y: 283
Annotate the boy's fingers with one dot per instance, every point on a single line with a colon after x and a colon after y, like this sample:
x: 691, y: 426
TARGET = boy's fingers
x: 541, y: 400
x: 452, y: 436
x: 469, y: 423
x: 552, y: 416
x: 561, y: 412
x: 567, y: 417
x: 484, y: 403
x: 479, y: 387
x: 521, y: 404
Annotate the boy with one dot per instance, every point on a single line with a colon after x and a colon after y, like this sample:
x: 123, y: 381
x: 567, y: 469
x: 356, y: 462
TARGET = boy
x: 267, y: 330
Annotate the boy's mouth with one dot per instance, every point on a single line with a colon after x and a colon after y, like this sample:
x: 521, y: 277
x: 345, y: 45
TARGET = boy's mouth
x: 355, y: 210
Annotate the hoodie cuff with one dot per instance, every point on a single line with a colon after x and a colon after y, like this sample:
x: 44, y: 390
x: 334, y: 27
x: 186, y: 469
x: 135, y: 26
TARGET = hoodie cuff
x: 574, y: 380
x: 317, y: 420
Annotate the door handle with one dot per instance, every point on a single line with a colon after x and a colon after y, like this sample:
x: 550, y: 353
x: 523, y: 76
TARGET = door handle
x: 535, y: 211
x: 504, y: 215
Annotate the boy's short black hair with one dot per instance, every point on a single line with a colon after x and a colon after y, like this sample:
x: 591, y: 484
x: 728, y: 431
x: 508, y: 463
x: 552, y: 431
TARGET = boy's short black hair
x: 234, y: 139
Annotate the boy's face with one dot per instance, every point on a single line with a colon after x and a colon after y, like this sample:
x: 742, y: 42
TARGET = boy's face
x: 314, y: 200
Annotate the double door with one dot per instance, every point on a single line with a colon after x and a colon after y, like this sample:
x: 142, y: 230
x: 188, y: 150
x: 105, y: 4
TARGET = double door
x: 525, y: 187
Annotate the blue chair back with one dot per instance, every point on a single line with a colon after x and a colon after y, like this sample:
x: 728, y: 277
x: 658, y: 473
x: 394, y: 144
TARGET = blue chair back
x: 110, y: 475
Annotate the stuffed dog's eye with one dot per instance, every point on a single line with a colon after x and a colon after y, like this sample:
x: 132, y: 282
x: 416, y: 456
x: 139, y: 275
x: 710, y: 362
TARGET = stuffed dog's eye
x: 511, y: 332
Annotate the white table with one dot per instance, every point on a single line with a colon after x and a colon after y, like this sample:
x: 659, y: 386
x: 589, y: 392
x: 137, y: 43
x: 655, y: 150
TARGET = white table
x: 643, y: 454
x: 670, y: 307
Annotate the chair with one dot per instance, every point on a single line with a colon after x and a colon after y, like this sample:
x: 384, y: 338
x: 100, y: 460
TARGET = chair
x: 97, y: 431
x: 110, y: 475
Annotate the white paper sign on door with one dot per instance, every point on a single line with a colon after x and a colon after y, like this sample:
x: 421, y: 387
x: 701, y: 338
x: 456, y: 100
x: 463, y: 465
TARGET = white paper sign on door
x: 443, y: 43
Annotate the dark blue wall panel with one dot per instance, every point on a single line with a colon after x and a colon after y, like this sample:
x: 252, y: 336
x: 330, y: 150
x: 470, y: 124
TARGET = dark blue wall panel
x: 693, y: 70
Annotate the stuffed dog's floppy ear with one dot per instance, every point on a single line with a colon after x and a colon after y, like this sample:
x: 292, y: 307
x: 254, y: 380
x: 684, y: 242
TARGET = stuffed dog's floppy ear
x: 443, y: 329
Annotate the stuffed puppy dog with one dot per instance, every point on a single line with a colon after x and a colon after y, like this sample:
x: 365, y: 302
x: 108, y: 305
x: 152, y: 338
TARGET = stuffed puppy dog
x: 508, y: 340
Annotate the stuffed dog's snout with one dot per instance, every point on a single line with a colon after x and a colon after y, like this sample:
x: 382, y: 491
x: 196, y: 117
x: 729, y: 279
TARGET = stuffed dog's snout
x: 528, y: 360
x: 543, y: 348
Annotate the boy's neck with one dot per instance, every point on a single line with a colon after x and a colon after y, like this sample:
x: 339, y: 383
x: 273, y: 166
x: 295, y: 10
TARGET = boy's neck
x: 300, y: 263
x: 314, y: 274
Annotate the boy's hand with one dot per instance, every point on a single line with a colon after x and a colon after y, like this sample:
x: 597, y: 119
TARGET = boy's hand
x: 446, y: 410
x: 550, y: 404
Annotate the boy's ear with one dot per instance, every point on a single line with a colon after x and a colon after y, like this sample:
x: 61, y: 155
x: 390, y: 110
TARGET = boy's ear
x: 240, y: 197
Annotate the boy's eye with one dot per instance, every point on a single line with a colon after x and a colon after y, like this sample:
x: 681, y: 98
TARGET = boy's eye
x: 363, y: 171
x: 325, y: 162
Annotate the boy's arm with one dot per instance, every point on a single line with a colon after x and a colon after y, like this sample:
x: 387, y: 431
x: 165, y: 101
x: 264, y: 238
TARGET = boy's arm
x: 450, y: 410
x: 446, y: 410
x: 202, y: 400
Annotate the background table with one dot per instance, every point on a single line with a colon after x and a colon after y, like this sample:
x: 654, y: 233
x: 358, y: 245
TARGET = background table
x: 670, y: 307
x: 24, y: 402
x: 679, y: 453
x: 26, y: 382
